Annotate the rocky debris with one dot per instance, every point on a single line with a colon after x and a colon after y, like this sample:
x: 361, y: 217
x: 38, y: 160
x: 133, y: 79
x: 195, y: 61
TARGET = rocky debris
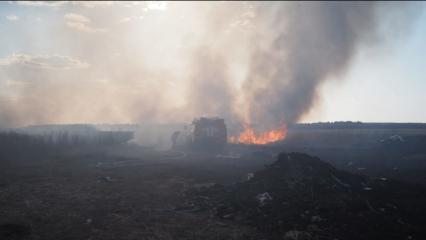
x: 297, y: 235
x: 393, y: 138
x: 250, y: 175
x: 263, y: 198
x: 302, y: 197
x: 105, y: 179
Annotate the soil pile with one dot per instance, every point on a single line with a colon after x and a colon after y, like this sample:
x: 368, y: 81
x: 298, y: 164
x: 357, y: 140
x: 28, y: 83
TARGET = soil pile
x: 302, y: 197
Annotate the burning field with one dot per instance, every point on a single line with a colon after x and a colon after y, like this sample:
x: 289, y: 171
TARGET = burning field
x: 103, y: 189
x: 248, y: 136
x: 190, y: 120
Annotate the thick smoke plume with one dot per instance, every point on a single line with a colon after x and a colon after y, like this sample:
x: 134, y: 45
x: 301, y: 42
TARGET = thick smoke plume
x: 308, y: 43
x: 250, y: 62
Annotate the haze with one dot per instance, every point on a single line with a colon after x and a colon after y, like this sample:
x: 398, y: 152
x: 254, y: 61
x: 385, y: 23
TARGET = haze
x: 249, y: 62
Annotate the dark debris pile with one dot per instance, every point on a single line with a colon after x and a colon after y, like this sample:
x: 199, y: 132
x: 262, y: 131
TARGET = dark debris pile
x: 302, y: 197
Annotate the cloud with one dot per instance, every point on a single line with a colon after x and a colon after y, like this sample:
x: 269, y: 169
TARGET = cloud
x: 80, y: 23
x: 157, y: 5
x: 76, y: 18
x: 87, y: 4
x: 92, y: 4
x: 42, y: 3
x: 12, y: 17
x: 130, y: 19
x: 126, y: 19
x: 14, y: 83
x: 42, y: 61
x: 82, y: 27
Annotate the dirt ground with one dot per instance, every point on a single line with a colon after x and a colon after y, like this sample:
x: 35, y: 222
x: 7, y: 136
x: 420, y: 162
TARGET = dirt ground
x: 131, y: 192
x: 121, y: 193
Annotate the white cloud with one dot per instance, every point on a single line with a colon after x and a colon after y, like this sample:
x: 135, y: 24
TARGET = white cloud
x: 12, y: 17
x: 42, y: 3
x: 91, y: 4
x: 14, y: 83
x: 126, y: 19
x: 43, y: 61
x: 82, y: 27
x: 76, y: 18
x: 156, y: 5
x: 87, y: 4
x: 80, y: 23
x: 129, y: 19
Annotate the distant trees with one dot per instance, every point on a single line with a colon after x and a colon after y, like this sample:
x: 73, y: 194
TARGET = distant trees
x: 15, y: 146
x: 357, y: 125
x: 18, y: 146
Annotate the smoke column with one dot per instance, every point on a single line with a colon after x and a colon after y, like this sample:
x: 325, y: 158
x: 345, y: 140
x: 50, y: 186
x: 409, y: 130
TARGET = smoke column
x: 249, y: 62
x: 308, y: 43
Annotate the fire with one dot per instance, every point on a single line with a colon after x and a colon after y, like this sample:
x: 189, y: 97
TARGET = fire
x: 248, y: 136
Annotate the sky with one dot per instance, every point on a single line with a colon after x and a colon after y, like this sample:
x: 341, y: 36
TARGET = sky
x: 137, y: 62
x: 385, y: 83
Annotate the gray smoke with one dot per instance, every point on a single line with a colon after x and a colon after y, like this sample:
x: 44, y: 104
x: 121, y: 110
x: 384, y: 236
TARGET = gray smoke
x: 209, y: 85
x: 253, y: 62
x: 310, y: 43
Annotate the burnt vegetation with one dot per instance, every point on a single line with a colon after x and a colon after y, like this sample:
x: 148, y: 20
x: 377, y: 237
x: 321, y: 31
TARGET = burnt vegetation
x: 325, y: 181
x: 304, y: 196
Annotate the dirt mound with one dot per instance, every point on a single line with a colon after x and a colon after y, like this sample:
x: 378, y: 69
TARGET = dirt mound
x: 301, y: 197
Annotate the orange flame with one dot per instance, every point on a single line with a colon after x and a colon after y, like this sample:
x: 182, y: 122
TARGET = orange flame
x: 248, y: 136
